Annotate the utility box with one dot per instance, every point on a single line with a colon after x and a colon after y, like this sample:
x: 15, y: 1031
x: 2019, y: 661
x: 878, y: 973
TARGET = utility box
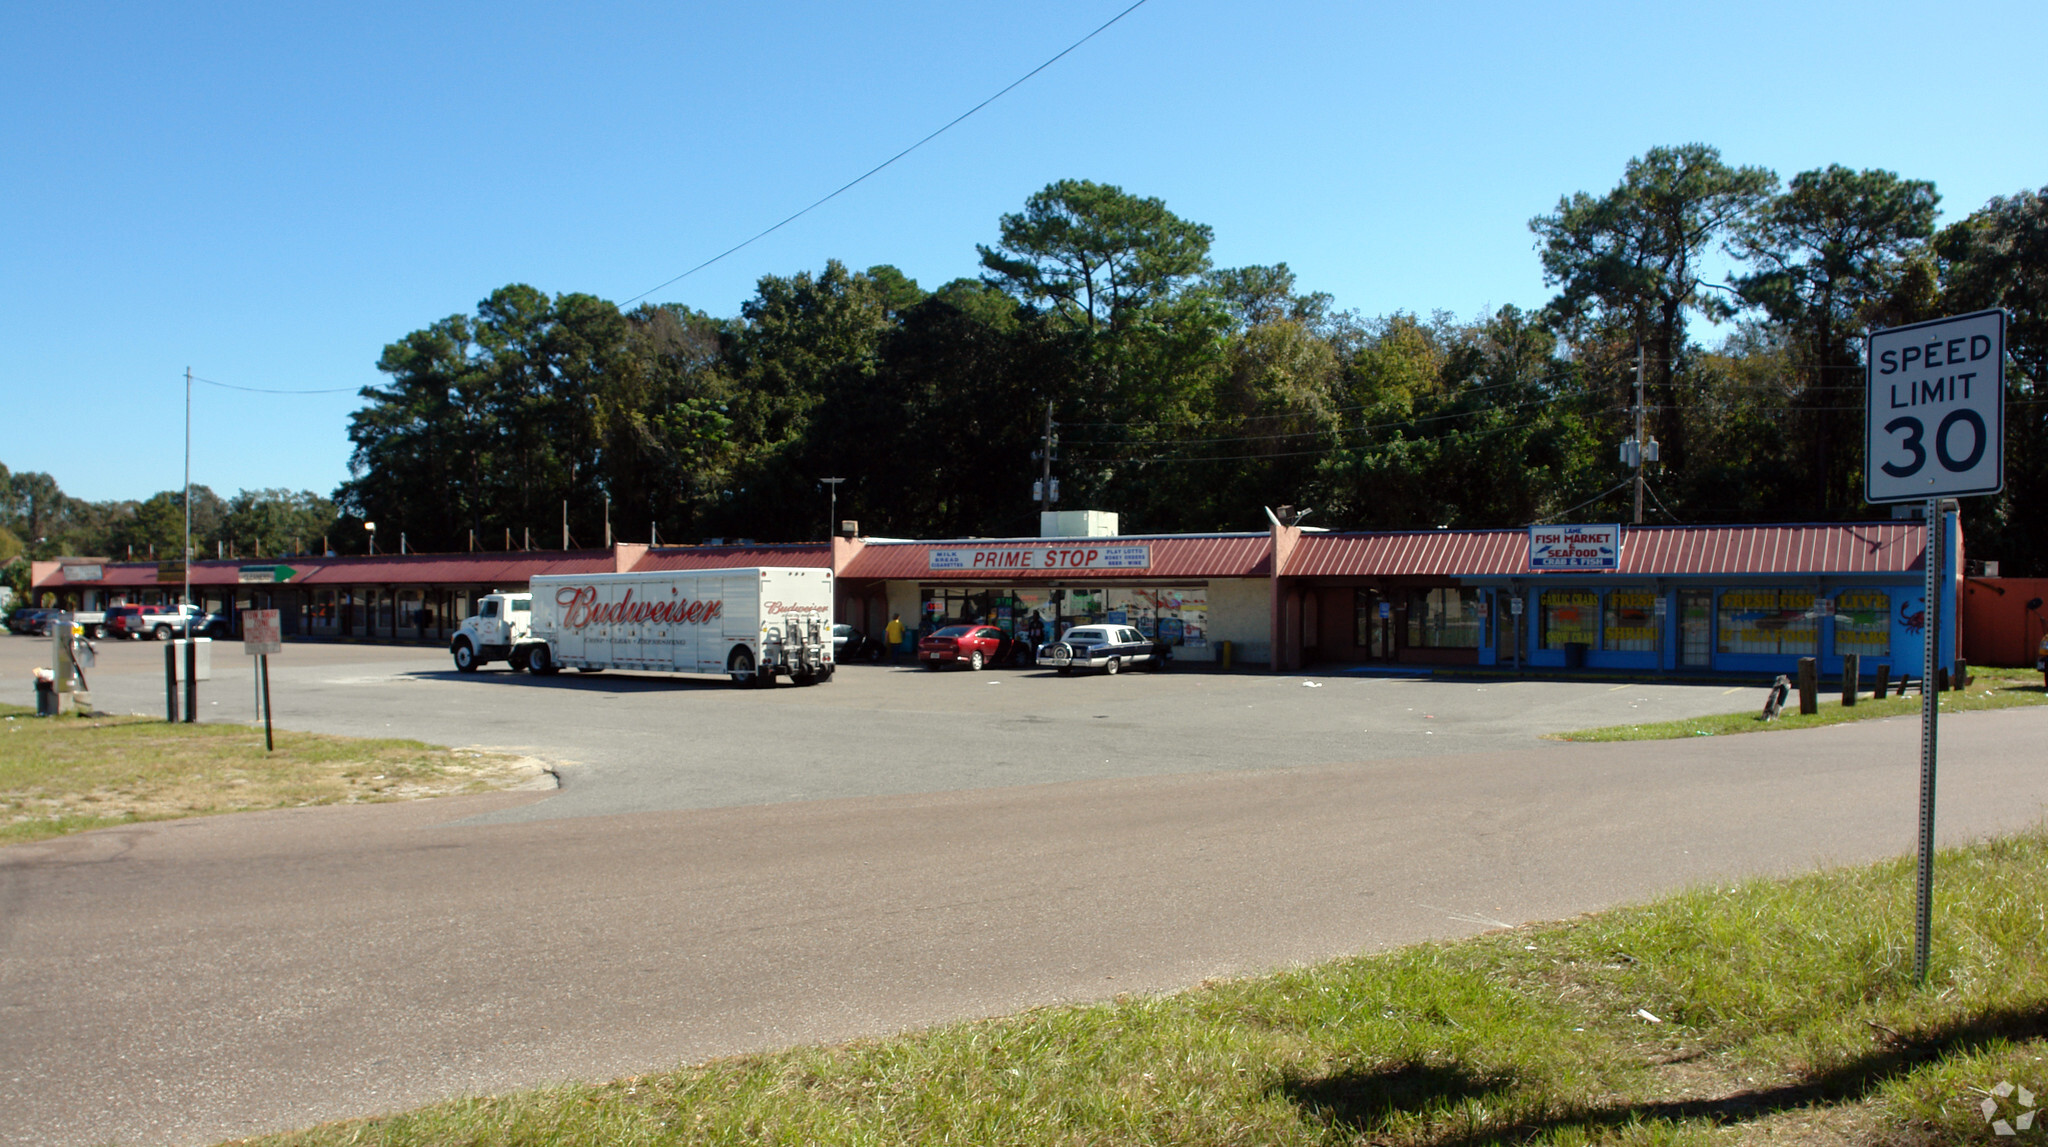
x: 202, y: 657
x: 1076, y: 524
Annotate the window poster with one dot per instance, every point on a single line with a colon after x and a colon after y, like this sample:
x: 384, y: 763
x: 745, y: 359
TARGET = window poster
x: 1631, y: 621
x: 1173, y: 615
x: 1768, y: 621
x: 1863, y: 622
x: 1569, y: 616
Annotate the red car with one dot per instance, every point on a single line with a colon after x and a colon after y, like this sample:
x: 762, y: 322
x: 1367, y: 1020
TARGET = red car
x: 971, y: 645
x: 130, y: 620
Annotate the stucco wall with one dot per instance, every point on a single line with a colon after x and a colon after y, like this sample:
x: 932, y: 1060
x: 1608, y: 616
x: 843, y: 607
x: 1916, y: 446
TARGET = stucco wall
x: 1241, y: 612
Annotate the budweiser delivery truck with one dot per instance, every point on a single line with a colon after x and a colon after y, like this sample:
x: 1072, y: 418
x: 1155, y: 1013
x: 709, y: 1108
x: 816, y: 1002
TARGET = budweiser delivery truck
x: 752, y: 624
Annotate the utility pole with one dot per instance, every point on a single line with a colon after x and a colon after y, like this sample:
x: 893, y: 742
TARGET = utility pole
x: 607, y: 522
x: 187, y: 563
x: 1045, y: 465
x: 832, y: 515
x: 1642, y: 446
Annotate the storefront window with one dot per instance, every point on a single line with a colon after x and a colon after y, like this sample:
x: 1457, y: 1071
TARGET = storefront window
x: 1768, y: 621
x: 1570, y: 616
x: 1443, y: 618
x: 1631, y: 621
x: 1174, y: 615
x: 1863, y: 623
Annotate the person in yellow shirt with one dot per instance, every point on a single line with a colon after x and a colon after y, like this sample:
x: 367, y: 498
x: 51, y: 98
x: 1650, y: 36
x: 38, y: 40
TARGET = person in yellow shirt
x: 894, y: 634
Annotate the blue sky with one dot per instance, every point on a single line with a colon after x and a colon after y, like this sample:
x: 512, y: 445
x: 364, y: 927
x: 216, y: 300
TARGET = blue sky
x: 268, y: 194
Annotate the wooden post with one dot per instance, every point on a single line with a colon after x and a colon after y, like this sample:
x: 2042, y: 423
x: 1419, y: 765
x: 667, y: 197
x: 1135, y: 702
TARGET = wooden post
x: 1852, y: 677
x: 1809, y: 686
x: 1884, y: 683
x: 1940, y: 680
x: 191, y: 677
x: 1962, y: 680
x: 171, y: 682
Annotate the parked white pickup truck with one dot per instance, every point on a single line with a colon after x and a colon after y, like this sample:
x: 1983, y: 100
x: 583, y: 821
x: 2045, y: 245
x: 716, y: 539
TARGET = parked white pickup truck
x: 753, y: 624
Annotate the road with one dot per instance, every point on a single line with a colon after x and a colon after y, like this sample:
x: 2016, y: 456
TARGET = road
x: 187, y: 981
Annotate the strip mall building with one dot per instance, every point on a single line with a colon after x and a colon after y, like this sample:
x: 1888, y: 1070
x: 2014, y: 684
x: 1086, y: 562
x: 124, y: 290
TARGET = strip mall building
x: 1679, y: 600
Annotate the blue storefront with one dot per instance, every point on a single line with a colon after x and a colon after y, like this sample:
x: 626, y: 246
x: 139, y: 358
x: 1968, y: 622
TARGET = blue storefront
x: 1677, y: 599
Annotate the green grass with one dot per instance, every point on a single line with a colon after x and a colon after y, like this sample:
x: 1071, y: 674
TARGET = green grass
x: 1990, y: 689
x: 67, y: 774
x: 1785, y: 1013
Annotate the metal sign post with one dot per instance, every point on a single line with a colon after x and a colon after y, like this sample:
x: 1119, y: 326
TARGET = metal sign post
x: 1930, y: 713
x: 1934, y: 428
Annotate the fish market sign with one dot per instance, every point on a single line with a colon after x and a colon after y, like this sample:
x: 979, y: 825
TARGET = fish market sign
x: 1575, y: 547
x: 1006, y: 559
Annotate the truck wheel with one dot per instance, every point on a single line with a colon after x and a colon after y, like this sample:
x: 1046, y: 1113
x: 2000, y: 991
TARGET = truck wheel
x: 465, y: 658
x: 741, y: 666
x: 1115, y: 663
x: 803, y: 678
x: 1065, y: 671
x: 974, y: 661
x: 161, y: 633
x: 541, y: 662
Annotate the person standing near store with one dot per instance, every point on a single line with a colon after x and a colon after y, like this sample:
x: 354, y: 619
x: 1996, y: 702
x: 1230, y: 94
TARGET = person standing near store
x: 894, y: 634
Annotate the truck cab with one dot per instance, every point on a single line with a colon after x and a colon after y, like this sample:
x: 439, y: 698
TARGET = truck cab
x: 501, y: 623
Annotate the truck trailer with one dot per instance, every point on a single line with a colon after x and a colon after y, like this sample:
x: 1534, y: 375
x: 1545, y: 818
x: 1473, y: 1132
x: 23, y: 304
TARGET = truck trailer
x: 752, y: 624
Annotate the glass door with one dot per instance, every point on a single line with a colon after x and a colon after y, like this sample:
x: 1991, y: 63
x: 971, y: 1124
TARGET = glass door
x: 1696, y: 628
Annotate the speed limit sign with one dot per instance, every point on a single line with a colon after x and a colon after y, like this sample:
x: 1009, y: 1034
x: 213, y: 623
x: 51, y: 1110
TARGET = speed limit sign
x: 1934, y: 415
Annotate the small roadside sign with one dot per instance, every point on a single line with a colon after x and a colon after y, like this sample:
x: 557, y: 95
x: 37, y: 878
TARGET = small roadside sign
x: 170, y: 572
x: 263, y: 635
x: 1934, y: 409
x: 262, y: 632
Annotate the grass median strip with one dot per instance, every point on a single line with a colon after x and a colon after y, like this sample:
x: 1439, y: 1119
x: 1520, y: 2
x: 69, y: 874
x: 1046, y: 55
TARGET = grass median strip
x: 1766, y: 1011
x: 66, y: 774
x: 1991, y: 689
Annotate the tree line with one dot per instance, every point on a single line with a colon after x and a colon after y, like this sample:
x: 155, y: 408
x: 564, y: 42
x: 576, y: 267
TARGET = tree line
x: 37, y: 519
x: 1187, y: 396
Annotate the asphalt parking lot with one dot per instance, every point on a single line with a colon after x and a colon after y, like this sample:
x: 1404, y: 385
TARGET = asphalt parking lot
x: 186, y: 981
x: 632, y: 743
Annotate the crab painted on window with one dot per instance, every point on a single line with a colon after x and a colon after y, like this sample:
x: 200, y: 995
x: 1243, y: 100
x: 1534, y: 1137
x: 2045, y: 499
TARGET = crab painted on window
x: 1913, y: 615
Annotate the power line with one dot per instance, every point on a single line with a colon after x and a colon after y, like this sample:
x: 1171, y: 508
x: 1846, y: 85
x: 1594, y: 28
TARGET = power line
x: 856, y: 181
x: 1334, y: 448
x: 1616, y: 489
x: 1415, y: 421
x: 267, y: 390
x: 1450, y: 394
